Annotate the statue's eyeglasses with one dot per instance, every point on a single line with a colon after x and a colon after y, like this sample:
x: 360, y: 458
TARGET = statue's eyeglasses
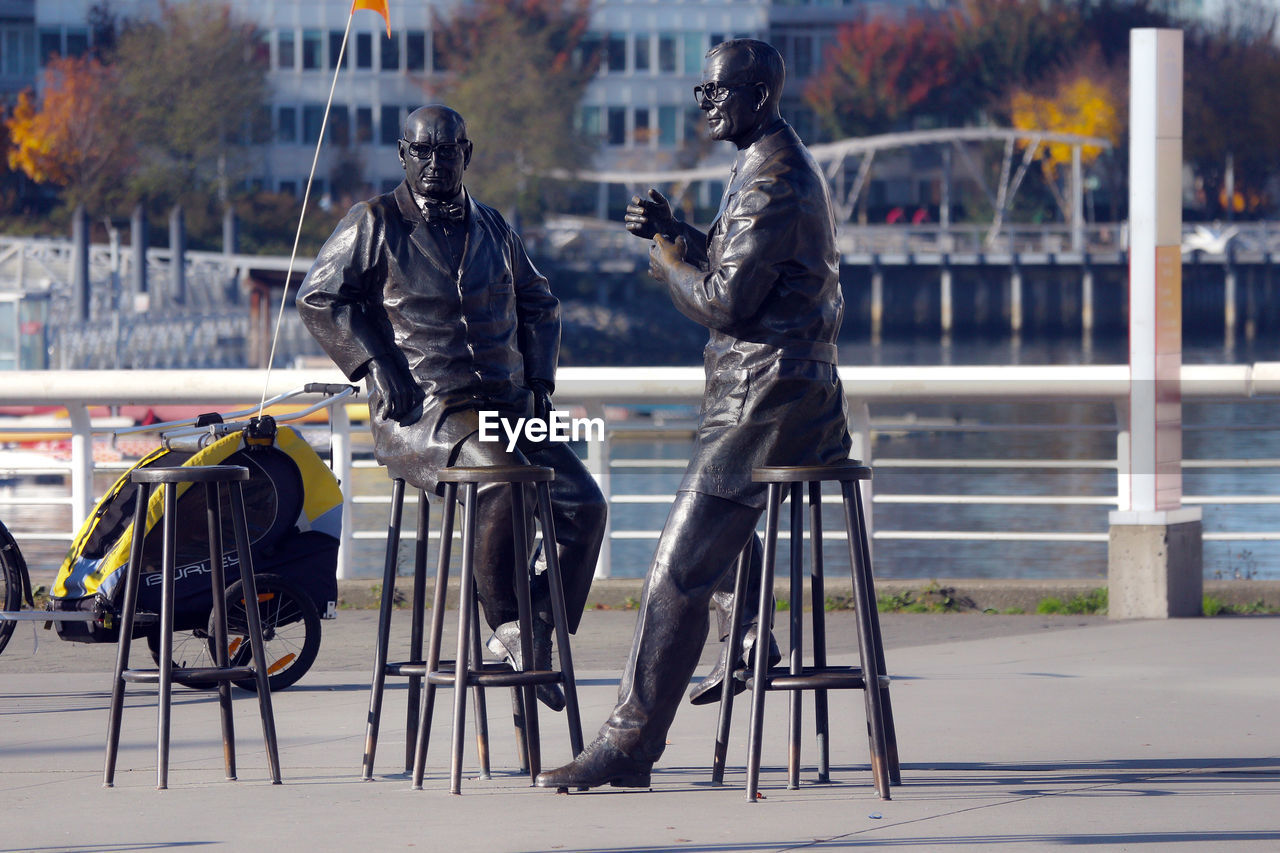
x: 715, y: 92
x: 442, y: 151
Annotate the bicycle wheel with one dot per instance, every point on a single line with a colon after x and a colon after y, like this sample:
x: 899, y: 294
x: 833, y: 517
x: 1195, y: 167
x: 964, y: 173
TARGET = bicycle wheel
x: 191, y: 650
x: 290, y: 630
x: 12, y: 568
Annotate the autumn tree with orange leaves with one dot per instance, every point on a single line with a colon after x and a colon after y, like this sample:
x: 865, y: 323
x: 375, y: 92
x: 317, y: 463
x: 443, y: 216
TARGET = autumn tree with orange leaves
x: 880, y: 74
x: 71, y: 136
x: 517, y: 72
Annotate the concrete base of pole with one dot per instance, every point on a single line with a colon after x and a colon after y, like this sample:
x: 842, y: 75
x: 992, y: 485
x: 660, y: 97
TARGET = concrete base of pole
x: 1155, y: 571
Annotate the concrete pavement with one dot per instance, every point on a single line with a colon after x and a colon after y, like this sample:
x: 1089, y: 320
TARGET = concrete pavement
x: 1016, y: 733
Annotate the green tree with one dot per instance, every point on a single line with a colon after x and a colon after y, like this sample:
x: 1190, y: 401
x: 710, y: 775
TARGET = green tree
x: 1231, y: 117
x: 195, y: 84
x: 518, y: 70
x: 1004, y: 44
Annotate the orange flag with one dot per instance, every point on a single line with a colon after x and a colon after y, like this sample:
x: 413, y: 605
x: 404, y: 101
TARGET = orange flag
x: 379, y: 6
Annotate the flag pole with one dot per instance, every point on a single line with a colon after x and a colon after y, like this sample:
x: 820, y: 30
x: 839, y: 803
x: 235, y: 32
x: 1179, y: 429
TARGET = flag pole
x: 306, y: 195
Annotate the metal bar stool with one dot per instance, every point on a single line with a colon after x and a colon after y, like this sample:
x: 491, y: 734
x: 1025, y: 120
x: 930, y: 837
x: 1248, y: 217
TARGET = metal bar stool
x: 819, y: 677
x: 415, y: 668
x: 466, y: 670
x: 211, y: 476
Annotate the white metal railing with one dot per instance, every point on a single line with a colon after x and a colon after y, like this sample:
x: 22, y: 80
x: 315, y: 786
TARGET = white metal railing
x: 593, y: 389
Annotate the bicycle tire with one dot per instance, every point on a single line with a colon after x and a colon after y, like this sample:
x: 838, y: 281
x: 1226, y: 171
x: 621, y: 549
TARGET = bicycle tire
x: 12, y: 569
x: 290, y: 628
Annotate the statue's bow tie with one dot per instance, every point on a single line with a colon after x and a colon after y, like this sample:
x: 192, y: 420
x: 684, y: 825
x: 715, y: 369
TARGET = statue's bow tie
x: 446, y: 211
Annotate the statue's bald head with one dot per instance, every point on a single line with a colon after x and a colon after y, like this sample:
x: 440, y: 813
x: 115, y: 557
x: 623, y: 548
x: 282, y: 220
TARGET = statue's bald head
x: 427, y: 123
x: 435, y: 151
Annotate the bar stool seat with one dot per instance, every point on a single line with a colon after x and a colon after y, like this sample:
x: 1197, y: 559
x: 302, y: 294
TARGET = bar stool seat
x: 213, y: 478
x: 795, y: 676
x: 466, y: 670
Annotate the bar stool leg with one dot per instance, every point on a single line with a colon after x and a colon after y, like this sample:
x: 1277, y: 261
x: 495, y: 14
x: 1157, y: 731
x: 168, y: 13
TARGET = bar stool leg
x: 866, y: 643
x: 890, y: 732
x: 734, y: 652
x: 133, y: 572
x: 417, y: 612
x: 759, y: 688
x: 384, y: 629
x: 480, y: 710
x: 817, y: 591
x: 465, y: 609
x: 166, y: 634
x: 569, y: 680
x: 797, y: 632
x: 218, y: 585
x: 240, y: 527
x: 520, y: 541
x: 437, y: 630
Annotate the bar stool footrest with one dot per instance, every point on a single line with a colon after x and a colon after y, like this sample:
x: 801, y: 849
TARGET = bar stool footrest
x: 191, y: 675
x: 493, y: 674
x: 810, y: 678
x: 407, y: 668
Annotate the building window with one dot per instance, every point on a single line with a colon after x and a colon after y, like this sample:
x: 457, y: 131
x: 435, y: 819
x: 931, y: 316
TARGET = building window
x: 642, y: 133
x: 289, y: 188
x: 312, y: 118
x: 390, y: 52
x: 415, y: 50
x: 389, y: 125
x: 262, y: 49
x: 803, y: 65
x: 335, y: 49
x: 364, y: 124
x: 667, y: 118
x: 339, y: 125
x: 616, y: 53
x: 19, y: 55
x: 50, y: 44
x: 364, y: 51
x: 439, y: 55
x: 617, y: 125
x: 284, y: 49
x: 312, y: 43
x: 587, y: 50
x: 642, y: 52
x: 287, y: 124
x: 694, y: 48
x: 589, y: 122
x: 77, y: 42
x: 667, y: 53
x: 693, y: 123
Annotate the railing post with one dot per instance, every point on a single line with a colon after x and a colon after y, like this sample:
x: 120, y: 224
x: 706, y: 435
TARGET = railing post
x: 81, y: 464
x: 860, y: 436
x: 340, y: 443
x: 598, y: 458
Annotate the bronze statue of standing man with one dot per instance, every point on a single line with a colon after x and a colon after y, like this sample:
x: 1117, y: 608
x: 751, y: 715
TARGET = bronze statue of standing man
x: 765, y: 282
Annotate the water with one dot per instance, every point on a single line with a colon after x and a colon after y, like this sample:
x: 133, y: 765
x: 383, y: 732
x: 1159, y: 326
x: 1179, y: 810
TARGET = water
x: 1212, y: 430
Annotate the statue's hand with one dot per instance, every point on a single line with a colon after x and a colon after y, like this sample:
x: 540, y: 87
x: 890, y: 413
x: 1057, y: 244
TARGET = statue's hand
x: 647, y: 217
x: 541, y: 400
x: 664, y: 254
x: 393, y: 387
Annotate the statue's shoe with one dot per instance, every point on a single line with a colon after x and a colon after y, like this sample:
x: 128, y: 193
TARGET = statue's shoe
x: 707, y: 690
x: 505, y: 642
x: 601, y: 763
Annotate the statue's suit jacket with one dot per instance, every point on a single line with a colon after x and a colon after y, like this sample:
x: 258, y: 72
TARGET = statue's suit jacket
x: 383, y: 286
x: 770, y: 296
